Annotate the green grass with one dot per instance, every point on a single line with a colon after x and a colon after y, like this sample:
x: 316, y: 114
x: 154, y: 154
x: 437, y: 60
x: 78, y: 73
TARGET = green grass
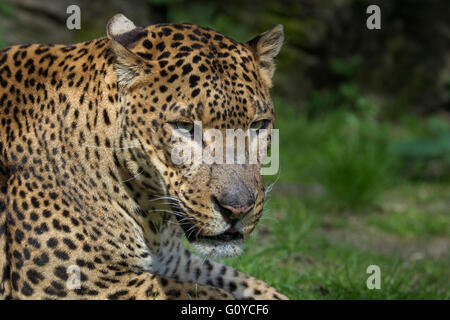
x: 421, y: 211
x: 341, y: 204
x: 413, y: 222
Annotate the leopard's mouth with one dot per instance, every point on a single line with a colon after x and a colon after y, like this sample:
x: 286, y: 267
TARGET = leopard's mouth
x: 228, y: 235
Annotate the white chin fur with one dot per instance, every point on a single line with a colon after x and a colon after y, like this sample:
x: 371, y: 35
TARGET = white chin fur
x: 218, y: 249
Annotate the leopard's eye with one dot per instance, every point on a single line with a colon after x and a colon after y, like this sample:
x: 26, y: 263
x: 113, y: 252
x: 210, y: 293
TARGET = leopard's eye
x: 261, y: 124
x: 183, y: 126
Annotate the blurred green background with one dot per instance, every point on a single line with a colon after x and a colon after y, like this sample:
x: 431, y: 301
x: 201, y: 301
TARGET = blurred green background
x: 364, y: 135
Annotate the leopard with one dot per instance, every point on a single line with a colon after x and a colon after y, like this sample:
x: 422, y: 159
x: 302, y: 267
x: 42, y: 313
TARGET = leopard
x: 92, y: 203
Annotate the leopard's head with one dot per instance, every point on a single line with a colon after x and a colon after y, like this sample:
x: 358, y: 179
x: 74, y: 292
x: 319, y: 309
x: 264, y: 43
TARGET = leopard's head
x: 176, y: 83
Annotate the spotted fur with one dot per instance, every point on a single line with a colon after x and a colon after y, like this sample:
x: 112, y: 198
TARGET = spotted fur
x: 86, y: 178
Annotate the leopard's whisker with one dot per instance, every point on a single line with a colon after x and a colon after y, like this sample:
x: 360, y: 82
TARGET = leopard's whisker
x: 134, y: 177
x: 270, y: 186
x: 164, y: 198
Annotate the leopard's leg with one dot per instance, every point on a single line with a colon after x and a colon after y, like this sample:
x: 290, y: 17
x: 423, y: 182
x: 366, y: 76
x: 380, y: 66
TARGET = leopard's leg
x: 193, y: 268
x: 146, y: 286
x: 180, y: 263
x: 129, y: 285
x: 125, y: 285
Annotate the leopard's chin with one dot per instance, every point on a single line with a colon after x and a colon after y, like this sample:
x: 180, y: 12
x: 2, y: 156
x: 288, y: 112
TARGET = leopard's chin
x: 218, y: 248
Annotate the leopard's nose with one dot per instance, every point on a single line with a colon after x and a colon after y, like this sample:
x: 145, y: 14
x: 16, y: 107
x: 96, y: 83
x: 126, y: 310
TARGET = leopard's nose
x: 238, y: 212
x: 235, y: 206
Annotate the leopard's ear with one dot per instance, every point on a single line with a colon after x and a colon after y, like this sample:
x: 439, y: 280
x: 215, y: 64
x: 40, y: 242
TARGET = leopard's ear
x: 266, y: 47
x: 124, y: 35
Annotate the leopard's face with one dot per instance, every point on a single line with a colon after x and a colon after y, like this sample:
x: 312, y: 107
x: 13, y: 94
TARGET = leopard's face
x: 186, y: 87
